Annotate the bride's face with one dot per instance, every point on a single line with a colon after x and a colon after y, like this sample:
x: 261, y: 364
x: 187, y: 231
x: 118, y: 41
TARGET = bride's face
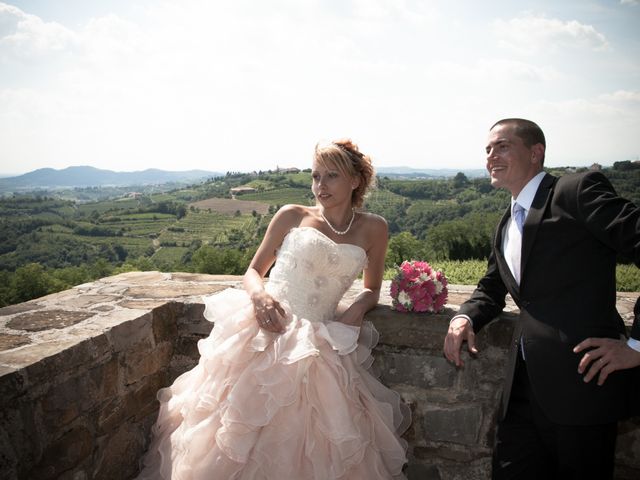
x: 330, y: 185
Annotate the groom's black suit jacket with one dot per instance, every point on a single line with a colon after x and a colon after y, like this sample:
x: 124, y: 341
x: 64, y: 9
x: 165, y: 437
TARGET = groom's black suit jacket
x: 573, y: 231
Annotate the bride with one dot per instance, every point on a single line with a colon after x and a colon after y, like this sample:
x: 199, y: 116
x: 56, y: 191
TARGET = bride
x: 282, y: 389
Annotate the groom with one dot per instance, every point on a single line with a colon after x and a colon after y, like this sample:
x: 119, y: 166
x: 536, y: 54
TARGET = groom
x: 571, y: 369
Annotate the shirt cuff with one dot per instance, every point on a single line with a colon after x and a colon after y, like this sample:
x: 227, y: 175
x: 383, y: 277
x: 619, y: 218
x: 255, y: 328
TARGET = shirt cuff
x: 635, y: 344
x: 468, y: 319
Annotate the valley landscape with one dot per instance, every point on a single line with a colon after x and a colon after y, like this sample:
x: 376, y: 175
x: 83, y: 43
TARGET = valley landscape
x: 54, y: 238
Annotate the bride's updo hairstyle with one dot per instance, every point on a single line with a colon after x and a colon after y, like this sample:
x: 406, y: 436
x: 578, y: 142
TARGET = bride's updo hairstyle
x: 345, y: 156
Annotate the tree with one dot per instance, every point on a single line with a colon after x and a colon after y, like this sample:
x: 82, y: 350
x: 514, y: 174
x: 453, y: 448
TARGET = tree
x: 212, y: 260
x: 460, y: 180
x: 404, y: 246
x: 465, y: 238
x: 30, y: 281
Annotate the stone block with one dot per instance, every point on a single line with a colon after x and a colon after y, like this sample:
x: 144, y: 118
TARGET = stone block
x: 21, y: 438
x: 142, y: 401
x: 455, y: 423
x: 476, y: 470
x: 164, y: 323
x: 120, y: 453
x: 417, y: 471
x: 145, y: 359
x: 144, y: 304
x: 136, y: 403
x: 422, y: 371
x: 111, y: 414
x: 78, y: 356
x: 412, y: 330
x: 9, y: 341
x: 628, y: 446
x: 192, y: 313
x: 12, y: 384
x: 188, y: 346
x: 37, y: 359
x: 172, y: 290
x: 8, y: 457
x: 105, y: 379
x: 116, y: 360
x: 64, y: 453
x: 450, y: 452
x: 19, y: 308
x: 125, y: 336
x: 85, y: 301
x: 47, y: 319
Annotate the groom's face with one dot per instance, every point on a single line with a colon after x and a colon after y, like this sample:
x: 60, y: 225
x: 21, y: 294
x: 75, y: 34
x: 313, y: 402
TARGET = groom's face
x: 511, y: 164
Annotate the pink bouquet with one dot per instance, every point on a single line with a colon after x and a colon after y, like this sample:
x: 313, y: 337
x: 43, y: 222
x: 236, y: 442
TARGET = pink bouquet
x: 418, y: 288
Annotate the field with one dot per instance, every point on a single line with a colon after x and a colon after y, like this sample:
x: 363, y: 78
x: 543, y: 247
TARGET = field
x: 377, y: 199
x: 164, y: 228
x: 282, y: 196
x: 227, y: 206
x: 205, y: 226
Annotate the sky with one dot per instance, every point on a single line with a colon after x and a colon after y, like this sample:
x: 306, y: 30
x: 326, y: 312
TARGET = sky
x: 242, y: 85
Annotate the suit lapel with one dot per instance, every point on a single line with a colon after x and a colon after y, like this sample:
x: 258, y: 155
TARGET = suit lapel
x: 503, y: 267
x: 534, y: 217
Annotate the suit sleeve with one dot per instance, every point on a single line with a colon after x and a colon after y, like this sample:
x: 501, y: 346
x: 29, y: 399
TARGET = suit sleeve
x: 612, y: 219
x: 488, y: 299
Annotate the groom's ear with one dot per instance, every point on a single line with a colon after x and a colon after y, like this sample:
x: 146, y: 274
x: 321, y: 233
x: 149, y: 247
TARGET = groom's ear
x: 537, y: 153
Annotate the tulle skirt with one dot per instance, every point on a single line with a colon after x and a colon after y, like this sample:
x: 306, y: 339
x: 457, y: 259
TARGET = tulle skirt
x: 300, y: 405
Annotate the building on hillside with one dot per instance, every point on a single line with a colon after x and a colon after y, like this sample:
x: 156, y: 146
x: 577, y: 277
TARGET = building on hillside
x: 288, y: 170
x: 240, y: 190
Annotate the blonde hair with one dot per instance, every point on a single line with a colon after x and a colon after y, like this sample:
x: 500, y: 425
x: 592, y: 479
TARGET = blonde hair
x: 345, y: 156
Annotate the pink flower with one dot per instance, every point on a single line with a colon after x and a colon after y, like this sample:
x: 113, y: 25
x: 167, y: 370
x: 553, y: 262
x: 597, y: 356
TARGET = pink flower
x: 418, y: 288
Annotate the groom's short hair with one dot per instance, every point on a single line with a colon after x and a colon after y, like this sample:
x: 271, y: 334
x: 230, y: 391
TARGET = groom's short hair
x: 528, y: 131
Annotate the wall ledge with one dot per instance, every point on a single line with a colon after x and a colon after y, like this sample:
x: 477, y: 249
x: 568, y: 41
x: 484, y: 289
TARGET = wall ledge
x: 79, y: 370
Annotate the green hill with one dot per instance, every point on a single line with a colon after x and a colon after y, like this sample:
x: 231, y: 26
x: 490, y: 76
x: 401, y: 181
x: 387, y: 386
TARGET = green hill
x: 201, y: 227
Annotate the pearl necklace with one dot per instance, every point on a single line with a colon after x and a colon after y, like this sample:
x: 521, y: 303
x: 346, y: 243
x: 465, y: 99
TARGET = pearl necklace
x: 334, y: 230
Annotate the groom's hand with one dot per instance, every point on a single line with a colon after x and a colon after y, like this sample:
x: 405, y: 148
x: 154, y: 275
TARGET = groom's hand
x: 460, y: 330
x: 605, y: 355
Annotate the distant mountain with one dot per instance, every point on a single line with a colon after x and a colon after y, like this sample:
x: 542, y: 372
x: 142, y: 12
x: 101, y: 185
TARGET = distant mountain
x: 410, y: 172
x: 49, y: 178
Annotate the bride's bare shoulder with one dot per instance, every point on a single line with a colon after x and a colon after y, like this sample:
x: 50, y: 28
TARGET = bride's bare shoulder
x: 374, y: 224
x: 291, y: 215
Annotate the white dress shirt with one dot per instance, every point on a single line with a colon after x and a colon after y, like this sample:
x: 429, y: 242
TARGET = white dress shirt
x: 525, y: 199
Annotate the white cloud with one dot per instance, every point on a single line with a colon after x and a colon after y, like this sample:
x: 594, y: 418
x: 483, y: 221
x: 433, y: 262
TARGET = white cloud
x: 24, y: 36
x: 200, y: 84
x: 630, y: 2
x: 600, y: 129
x: 622, y: 96
x: 532, y: 35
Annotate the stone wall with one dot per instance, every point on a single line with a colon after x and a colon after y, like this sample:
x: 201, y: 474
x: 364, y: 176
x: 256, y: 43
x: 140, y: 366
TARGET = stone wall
x: 79, y: 371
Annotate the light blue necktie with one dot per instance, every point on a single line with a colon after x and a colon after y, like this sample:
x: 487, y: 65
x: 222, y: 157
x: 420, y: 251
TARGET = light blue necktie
x: 518, y: 215
x: 514, y: 247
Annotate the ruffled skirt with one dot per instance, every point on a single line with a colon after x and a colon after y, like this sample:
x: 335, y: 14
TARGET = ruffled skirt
x: 300, y: 405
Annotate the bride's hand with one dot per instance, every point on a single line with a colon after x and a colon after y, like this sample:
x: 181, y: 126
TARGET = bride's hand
x: 269, y: 313
x: 351, y: 317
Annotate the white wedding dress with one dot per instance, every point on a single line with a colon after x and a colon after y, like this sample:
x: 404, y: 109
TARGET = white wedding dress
x: 299, y: 405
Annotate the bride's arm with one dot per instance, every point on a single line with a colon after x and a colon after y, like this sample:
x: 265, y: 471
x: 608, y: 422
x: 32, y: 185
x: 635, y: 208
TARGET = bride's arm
x: 367, y: 299
x: 268, y: 311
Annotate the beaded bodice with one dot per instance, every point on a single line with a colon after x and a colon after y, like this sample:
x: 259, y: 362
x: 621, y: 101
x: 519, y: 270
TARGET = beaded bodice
x: 312, y: 273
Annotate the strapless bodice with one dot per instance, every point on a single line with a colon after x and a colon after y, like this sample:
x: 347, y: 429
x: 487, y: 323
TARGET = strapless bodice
x: 312, y: 273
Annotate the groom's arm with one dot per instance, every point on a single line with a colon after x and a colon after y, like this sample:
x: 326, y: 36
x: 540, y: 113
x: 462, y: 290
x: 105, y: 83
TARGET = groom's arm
x: 488, y: 299
x: 616, y: 222
x: 486, y: 303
